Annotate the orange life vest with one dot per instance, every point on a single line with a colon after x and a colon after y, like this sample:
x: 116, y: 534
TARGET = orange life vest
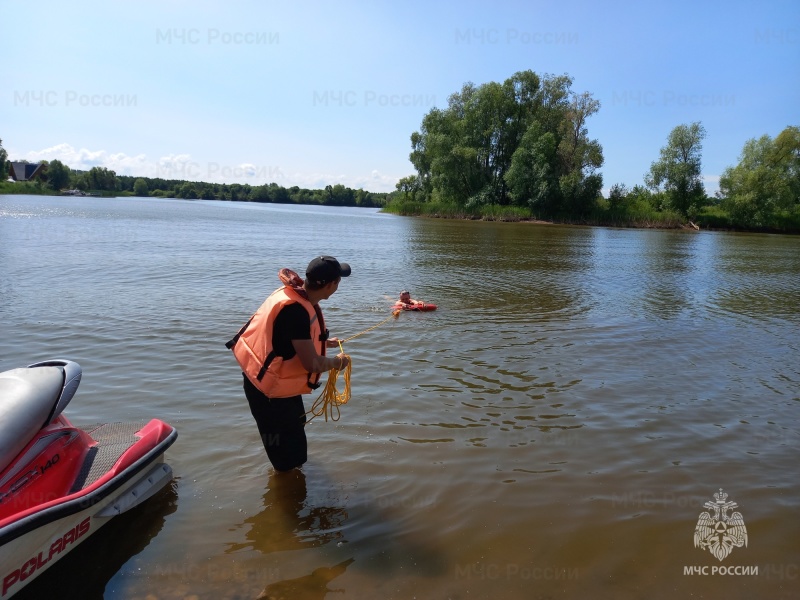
x: 252, y: 347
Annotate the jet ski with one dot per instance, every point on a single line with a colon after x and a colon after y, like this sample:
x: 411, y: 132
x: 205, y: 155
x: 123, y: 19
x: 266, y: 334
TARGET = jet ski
x: 60, y: 483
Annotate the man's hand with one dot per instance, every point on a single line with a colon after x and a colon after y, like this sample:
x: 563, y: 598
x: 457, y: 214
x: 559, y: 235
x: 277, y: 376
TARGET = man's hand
x: 344, y: 361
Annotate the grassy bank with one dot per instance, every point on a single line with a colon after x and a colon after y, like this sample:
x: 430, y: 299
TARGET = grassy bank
x: 25, y: 187
x: 638, y: 215
x: 641, y: 218
x: 453, y: 211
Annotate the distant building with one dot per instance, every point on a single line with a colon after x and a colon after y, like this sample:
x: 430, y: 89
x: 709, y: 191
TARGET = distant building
x: 20, y: 171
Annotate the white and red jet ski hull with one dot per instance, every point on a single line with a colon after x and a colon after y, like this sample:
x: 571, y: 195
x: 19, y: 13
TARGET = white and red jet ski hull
x: 67, y: 481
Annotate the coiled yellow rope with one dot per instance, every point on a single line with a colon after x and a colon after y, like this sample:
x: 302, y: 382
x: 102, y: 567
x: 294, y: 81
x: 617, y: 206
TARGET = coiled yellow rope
x: 329, y: 401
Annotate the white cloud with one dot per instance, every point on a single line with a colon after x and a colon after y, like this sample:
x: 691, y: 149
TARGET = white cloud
x: 372, y: 182
x: 185, y: 167
x: 82, y: 159
x: 126, y: 165
x: 381, y: 182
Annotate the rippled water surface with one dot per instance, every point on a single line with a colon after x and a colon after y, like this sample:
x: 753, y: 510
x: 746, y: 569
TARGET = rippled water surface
x: 553, y: 430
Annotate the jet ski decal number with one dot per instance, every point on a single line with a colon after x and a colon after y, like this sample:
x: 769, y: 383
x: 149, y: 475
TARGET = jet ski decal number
x: 49, y: 463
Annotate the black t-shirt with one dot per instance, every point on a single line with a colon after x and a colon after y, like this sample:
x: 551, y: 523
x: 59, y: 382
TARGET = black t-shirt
x: 292, y: 323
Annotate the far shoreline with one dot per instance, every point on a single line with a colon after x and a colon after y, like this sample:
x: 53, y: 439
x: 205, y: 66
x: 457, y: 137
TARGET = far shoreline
x: 460, y: 215
x: 653, y: 225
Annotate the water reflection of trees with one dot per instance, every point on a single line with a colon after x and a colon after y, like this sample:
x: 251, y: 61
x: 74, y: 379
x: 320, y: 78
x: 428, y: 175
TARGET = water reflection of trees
x: 289, y: 521
x: 515, y: 271
x: 659, y: 273
x: 757, y: 276
x: 671, y: 274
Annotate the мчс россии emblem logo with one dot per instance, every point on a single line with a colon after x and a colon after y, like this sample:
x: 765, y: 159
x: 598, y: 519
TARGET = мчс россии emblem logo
x: 721, y: 533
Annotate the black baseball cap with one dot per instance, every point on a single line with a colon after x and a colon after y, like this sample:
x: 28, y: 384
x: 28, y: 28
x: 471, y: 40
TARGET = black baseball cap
x: 325, y: 269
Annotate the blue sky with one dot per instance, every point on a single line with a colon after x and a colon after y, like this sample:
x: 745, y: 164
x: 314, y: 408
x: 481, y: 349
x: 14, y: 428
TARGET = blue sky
x: 316, y: 93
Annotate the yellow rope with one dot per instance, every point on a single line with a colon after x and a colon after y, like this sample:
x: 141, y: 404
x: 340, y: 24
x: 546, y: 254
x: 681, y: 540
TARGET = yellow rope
x: 394, y: 315
x: 329, y: 401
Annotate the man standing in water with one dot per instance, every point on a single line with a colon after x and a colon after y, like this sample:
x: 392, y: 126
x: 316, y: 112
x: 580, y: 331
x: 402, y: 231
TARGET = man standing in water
x: 281, y: 351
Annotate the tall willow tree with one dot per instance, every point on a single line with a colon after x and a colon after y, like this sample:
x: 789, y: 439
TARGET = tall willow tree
x: 766, y: 183
x: 678, y: 170
x: 523, y: 142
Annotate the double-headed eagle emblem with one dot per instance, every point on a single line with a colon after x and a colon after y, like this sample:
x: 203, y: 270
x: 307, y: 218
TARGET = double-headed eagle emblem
x: 721, y: 533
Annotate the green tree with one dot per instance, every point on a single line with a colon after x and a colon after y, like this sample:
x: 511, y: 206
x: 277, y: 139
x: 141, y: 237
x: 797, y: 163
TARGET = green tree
x: 580, y: 157
x: 140, y: 188
x: 260, y: 194
x: 617, y: 196
x: 187, y: 191
x: 279, y: 194
x: 339, y: 195
x: 235, y: 192
x: 100, y: 178
x: 206, y: 192
x: 678, y: 170
x: 80, y: 182
x: 532, y: 178
x: 409, y: 187
x: 365, y: 198
x: 576, y: 152
x: 766, y: 182
x: 58, y: 175
x: 520, y: 142
x: 3, y: 163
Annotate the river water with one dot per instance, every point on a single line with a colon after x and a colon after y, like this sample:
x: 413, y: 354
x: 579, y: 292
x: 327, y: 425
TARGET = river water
x: 553, y: 430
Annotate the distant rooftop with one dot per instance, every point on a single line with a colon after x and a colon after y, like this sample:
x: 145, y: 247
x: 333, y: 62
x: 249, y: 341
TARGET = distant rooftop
x: 20, y: 171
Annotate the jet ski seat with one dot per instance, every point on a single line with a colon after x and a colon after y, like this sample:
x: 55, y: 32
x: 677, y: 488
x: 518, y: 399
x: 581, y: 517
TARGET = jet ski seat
x: 30, y: 398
